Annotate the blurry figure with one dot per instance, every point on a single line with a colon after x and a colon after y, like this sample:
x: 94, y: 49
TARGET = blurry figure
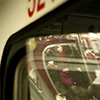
x: 94, y: 91
x: 66, y: 70
x: 61, y: 53
x: 58, y: 97
x: 75, y: 77
x: 79, y: 69
x: 65, y: 78
x: 90, y: 55
x: 49, y: 52
x: 59, y: 48
x: 74, y: 93
x: 51, y: 65
x: 55, y: 76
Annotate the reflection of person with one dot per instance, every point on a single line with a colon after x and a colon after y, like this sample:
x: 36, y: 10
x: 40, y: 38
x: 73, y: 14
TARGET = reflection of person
x: 89, y: 55
x: 77, y: 77
x: 94, y: 91
x: 51, y: 65
x: 61, y: 53
x: 49, y: 52
x: 74, y: 93
x: 59, y: 48
x: 54, y: 74
x: 65, y: 78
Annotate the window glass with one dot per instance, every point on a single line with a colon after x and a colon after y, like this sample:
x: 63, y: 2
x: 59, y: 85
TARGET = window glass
x: 64, y: 61
x: 57, y: 62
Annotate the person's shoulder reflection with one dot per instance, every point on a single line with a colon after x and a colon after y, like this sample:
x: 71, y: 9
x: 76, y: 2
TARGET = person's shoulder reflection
x: 94, y: 91
x: 74, y: 93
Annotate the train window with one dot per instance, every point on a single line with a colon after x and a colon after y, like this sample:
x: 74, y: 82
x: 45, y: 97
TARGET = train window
x: 56, y: 62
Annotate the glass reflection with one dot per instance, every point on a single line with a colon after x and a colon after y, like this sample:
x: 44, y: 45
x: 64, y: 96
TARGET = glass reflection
x: 61, y: 61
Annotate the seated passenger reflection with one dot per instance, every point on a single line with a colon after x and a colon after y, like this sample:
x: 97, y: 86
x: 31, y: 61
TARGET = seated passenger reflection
x: 51, y: 65
x: 55, y: 76
x: 65, y: 78
x: 77, y: 77
x: 74, y: 93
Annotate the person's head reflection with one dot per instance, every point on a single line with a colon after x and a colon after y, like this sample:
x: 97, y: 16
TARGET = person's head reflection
x: 52, y: 65
x: 94, y: 91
